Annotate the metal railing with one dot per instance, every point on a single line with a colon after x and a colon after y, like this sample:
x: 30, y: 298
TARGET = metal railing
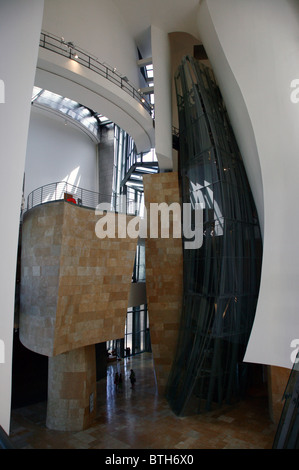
x: 62, y: 190
x: 68, y: 49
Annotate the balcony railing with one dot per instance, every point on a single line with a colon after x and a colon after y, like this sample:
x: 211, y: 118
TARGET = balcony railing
x: 62, y: 190
x: 68, y: 49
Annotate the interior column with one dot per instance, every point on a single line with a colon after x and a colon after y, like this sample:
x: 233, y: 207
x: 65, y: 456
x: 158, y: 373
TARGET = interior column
x: 72, y: 390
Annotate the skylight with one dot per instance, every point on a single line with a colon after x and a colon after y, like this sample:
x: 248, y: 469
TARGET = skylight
x: 87, y: 118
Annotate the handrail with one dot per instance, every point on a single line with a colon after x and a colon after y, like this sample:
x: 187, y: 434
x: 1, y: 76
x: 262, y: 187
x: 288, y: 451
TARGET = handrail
x: 63, y: 190
x: 68, y: 49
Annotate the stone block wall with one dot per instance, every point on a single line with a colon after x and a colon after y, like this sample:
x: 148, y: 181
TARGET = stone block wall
x: 75, y: 290
x: 94, y: 283
x: 164, y: 277
x: 75, y: 287
x: 41, y: 249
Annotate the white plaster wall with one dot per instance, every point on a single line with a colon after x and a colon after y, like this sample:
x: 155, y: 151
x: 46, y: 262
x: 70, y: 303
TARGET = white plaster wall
x: 254, y: 49
x: 97, y: 27
x: 68, y: 78
x: 20, y: 24
x: 58, y: 152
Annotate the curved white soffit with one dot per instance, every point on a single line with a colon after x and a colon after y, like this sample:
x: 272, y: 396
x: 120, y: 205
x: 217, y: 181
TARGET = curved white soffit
x: 68, y: 78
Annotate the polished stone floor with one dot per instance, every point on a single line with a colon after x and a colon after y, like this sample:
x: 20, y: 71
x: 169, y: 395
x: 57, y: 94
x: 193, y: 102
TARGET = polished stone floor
x: 141, y: 419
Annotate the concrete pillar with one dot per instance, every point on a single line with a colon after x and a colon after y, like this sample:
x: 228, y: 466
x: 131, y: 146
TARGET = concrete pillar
x: 72, y: 390
x: 163, y: 109
x: 164, y: 277
x: 106, y: 160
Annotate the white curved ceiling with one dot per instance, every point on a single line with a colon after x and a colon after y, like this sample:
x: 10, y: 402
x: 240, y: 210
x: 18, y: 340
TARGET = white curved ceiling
x: 168, y: 15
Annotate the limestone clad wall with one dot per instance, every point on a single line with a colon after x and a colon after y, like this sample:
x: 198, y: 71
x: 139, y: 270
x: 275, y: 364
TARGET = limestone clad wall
x: 164, y: 277
x: 74, y: 286
x: 41, y: 248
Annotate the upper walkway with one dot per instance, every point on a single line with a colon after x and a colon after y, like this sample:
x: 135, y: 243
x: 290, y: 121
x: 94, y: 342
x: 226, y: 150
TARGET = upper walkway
x: 69, y: 71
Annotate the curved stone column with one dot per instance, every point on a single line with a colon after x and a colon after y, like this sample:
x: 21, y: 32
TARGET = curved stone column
x: 164, y: 277
x: 75, y: 290
x: 72, y: 390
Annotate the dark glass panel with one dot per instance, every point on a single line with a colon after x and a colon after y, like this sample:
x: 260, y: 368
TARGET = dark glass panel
x: 221, y: 278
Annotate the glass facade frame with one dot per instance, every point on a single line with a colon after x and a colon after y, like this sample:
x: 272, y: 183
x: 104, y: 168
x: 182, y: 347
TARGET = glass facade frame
x: 221, y: 278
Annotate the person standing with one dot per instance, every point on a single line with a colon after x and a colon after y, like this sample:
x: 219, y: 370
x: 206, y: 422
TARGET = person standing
x: 116, y: 381
x: 132, y: 378
x: 120, y: 382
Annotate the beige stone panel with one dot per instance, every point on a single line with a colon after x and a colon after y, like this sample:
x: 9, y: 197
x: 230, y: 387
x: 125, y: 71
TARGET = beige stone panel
x: 41, y: 241
x: 164, y: 277
x: 101, y: 270
x: 70, y: 278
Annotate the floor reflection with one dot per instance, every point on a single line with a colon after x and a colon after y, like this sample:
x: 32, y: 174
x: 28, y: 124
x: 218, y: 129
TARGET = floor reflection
x: 142, y: 419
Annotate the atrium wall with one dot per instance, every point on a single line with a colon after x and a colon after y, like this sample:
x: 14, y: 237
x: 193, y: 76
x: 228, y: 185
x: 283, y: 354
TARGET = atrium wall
x: 58, y: 152
x: 98, y: 30
x: 253, y: 48
x: 96, y: 27
x: 20, y: 22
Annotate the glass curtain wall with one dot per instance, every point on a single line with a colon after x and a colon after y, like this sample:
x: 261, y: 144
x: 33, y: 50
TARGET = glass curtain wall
x: 124, y: 157
x: 136, y: 332
x: 221, y: 278
x: 129, y: 168
x: 139, y: 266
x: 137, y: 337
x: 287, y: 433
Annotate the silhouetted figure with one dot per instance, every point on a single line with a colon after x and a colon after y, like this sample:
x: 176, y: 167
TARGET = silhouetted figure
x: 116, y: 381
x: 132, y: 378
x: 120, y: 382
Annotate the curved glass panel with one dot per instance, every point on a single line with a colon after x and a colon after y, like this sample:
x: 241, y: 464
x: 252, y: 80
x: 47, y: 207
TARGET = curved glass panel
x: 221, y: 278
x: 287, y: 432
